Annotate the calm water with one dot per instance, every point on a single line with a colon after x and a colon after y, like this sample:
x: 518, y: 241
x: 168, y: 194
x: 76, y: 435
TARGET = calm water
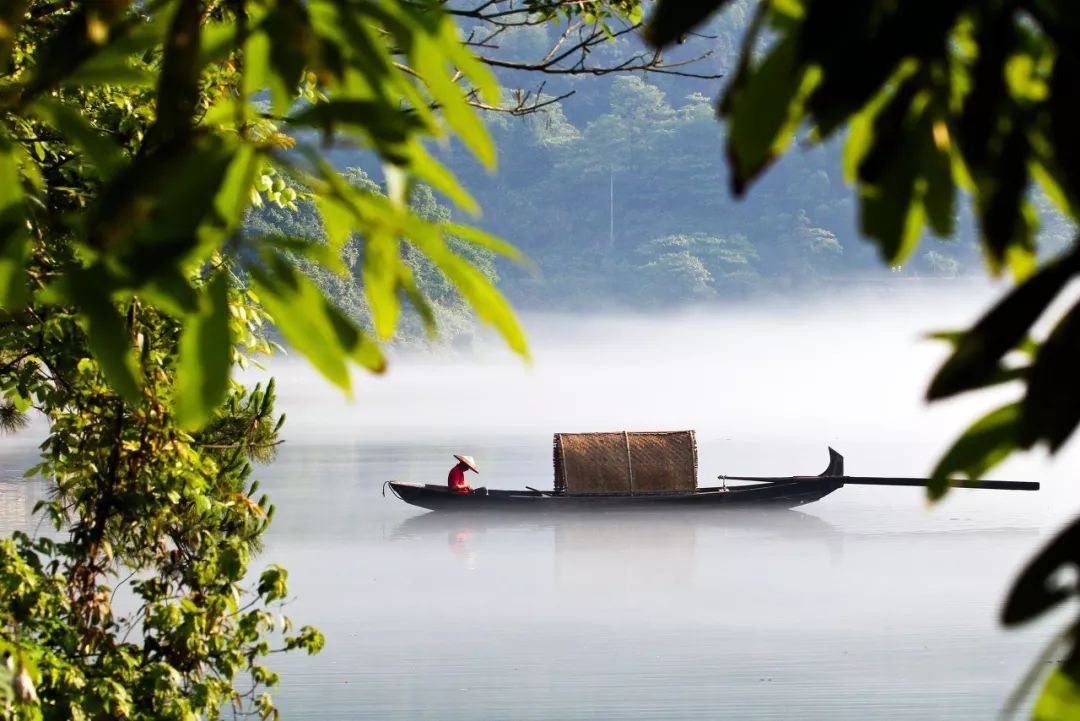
x: 867, y: 604
x: 863, y: 605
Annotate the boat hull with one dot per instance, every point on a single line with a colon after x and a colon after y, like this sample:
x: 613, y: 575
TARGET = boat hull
x: 766, y: 495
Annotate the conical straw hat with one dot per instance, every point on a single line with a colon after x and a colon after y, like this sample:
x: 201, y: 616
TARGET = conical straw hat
x: 468, y: 461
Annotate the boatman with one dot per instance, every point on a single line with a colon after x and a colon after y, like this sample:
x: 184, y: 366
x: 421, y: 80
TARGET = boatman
x: 456, y: 479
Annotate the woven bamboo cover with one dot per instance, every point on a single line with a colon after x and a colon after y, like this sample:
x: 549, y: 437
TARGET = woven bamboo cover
x: 626, y: 463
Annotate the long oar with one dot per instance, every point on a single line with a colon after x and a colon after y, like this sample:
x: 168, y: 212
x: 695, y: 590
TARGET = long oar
x: 873, y: 481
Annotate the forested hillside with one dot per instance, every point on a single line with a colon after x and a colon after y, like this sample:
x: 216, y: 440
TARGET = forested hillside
x: 619, y: 195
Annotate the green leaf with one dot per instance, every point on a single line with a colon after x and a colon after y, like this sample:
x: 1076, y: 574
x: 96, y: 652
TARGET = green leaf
x: 1059, y: 700
x: 477, y: 72
x: 381, y: 271
x: 419, y: 301
x: 1001, y: 194
x: 356, y: 344
x: 489, y: 304
x: 294, y: 311
x: 14, y: 240
x: 1001, y: 374
x: 1039, y: 586
x: 150, y: 214
x: 381, y: 123
x: 479, y: 238
x: 1064, y: 121
x: 178, y: 82
x: 231, y: 202
x: 980, y: 117
x: 426, y: 168
x: 337, y: 221
x: 427, y: 55
x: 72, y: 57
x: 256, y: 62
x: 1036, y: 671
x: 979, y: 352
x: 388, y: 130
x: 891, y: 213
x: 878, y: 37
x: 205, y: 357
x: 1051, y: 407
x: 891, y: 190
x: 273, y: 583
x: 218, y: 40
x: 11, y: 17
x: 310, y: 323
x: 764, y: 108
x: 982, y: 446
x: 379, y: 221
x: 313, y: 250
x: 289, y: 32
x: 672, y: 19
x: 99, y: 149
x: 890, y: 131
x: 110, y: 70
x: 172, y: 291
x: 939, y: 196
x: 231, y: 563
x: 107, y: 333
x: 865, y: 126
x: 354, y: 48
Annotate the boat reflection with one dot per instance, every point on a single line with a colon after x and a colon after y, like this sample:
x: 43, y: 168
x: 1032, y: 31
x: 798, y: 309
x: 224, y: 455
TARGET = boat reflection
x: 614, y: 550
x: 611, y: 550
x: 750, y: 521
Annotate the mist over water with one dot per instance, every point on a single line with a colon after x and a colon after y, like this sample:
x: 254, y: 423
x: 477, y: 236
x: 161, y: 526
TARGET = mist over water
x: 853, y: 365
x: 767, y: 387
x: 865, y: 604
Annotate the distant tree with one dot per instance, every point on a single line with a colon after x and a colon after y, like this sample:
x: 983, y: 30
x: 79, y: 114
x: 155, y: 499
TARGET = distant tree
x: 675, y: 276
x: 699, y: 265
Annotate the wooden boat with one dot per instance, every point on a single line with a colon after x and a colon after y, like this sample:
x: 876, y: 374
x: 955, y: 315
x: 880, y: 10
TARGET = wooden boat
x: 776, y: 492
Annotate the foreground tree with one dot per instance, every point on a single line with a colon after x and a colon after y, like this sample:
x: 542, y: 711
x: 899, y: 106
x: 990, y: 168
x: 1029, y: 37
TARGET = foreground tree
x: 169, y: 519
x: 976, y: 95
x: 134, y: 137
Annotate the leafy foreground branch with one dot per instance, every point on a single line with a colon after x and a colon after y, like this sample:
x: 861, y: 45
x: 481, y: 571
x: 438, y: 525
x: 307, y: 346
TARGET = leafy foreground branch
x: 958, y: 95
x: 134, y: 138
x: 147, y: 609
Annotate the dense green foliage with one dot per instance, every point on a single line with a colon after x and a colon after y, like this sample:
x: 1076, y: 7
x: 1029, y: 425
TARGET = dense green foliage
x: 978, y: 96
x: 168, y: 520
x: 131, y: 149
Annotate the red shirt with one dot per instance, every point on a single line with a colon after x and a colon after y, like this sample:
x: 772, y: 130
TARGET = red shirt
x: 456, y: 480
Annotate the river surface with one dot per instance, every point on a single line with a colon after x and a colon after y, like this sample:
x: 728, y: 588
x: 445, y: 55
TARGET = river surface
x: 867, y: 604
